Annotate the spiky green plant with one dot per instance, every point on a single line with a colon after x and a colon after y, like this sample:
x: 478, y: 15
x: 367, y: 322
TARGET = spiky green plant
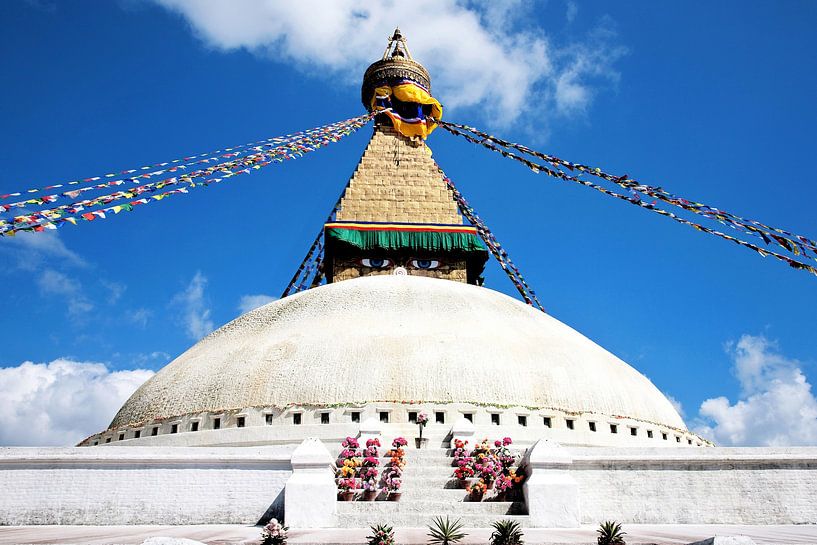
x: 382, y: 534
x: 506, y: 532
x: 444, y: 531
x: 610, y: 533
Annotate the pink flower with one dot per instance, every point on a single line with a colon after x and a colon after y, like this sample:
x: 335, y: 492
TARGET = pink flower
x: 507, y: 441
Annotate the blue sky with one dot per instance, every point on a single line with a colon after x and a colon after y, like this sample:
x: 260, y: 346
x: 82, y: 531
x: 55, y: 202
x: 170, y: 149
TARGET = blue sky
x: 712, y: 101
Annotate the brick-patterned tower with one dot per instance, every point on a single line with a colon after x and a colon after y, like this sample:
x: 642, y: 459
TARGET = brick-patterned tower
x: 397, y: 215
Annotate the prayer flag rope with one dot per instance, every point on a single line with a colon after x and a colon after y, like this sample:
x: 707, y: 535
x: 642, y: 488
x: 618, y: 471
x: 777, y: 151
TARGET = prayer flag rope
x: 794, y: 243
x: 177, y: 164
x: 537, y: 167
x: 52, y: 218
x: 303, y: 143
x: 493, y: 245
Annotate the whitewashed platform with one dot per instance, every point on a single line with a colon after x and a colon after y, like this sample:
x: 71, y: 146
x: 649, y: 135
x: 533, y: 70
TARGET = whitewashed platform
x: 637, y: 534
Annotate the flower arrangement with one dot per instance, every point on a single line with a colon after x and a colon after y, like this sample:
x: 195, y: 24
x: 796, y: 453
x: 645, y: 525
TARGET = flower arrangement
x: 503, y: 453
x: 346, y: 485
x: 347, y: 470
x: 392, y: 479
x: 382, y: 534
x: 371, y: 448
x: 350, y: 452
x: 422, y: 421
x: 477, y: 489
x: 487, y: 468
x: 503, y: 484
x: 464, y: 471
x: 393, y: 472
x: 274, y: 533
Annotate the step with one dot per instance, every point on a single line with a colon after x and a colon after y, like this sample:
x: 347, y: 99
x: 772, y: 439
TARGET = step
x: 390, y: 508
x: 415, y: 520
x: 452, y: 495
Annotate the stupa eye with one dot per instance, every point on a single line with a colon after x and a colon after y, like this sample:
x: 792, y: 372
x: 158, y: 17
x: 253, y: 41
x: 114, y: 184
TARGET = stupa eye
x: 427, y: 264
x: 375, y: 262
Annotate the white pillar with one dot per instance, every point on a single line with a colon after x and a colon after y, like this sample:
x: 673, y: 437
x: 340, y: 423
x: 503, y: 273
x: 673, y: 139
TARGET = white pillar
x: 369, y: 429
x: 311, y: 495
x: 464, y: 430
x: 551, y: 493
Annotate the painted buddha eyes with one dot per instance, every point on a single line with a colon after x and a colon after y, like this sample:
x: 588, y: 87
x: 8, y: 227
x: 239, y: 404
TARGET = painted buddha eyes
x: 375, y: 262
x: 383, y: 263
x: 426, y: 264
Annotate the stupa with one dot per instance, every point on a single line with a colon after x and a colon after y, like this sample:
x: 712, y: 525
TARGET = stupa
x: 402, y: 326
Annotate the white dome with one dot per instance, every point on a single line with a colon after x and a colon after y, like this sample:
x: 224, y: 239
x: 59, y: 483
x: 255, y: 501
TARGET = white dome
x: 407, y: 338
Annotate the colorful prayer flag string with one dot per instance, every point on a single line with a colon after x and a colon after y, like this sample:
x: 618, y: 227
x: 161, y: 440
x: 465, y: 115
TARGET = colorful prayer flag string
x: 794, y: 243
x: 297, y: 144
x: 177, y: 164
x: 493, y: 245
x: 51, y: 218
x: 485, y: 141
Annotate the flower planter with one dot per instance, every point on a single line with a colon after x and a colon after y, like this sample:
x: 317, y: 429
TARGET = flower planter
x: 421, y: 442
x: 346, y: 496
x: 474, y: 496
x: 489, y: 484
x: 394, y: 496
x: 370, y: 495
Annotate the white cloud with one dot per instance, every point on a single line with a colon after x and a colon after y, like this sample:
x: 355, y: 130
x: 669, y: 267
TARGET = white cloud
x: 572, y: 11
x: 195, y: 311
x: 29, y: 251
x: 140, y: 316
x: 675, y: 404
x: 115, y: 290
x: 61, y: 402
x: 53, y: 282
x: 481, y: 54
x: 776, y: 405
x: 250, y: 302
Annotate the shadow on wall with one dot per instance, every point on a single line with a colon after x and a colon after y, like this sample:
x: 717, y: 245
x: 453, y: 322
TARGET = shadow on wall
x: 274, y: 511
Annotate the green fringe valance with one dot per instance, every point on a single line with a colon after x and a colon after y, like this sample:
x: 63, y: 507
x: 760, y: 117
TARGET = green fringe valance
x: 425, y: 241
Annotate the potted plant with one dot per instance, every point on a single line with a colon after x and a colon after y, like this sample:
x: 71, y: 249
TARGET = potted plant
x: 422, y: 421
x: 503, y: 485
x: 274, y: 533
x: 445, y: 531
x: 464, y: 471
x: 392, y: 480
x: 382, y: 534
x: 506, y: 532
x: 503, y: 453
x: 370, y: 489
x: 460, y: 451
x: 368, y: 476
x: 346, y: 489
x: 610, y: 533
x: 476, y: 490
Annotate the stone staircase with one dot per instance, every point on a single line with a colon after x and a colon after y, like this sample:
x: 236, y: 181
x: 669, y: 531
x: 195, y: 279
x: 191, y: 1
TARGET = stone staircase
x: 428, y: 490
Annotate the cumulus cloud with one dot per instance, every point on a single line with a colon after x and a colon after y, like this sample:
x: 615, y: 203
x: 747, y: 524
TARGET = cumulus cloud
x: 776, y: 405
x: 250, y: 302
x: 61, y: 402
x: 675, y: 404
x: 29, y: 251
x: 483, y: 55
x: 194, y: 307
x: 53, y: 282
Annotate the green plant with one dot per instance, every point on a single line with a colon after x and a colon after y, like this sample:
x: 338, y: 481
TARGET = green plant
x: 382, y: 534
x: 610, y: 533
x: 506, y: 532
x: 444, y: 531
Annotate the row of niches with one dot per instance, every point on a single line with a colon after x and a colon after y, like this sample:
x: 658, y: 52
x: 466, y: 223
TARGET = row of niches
x: 439, y: 419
